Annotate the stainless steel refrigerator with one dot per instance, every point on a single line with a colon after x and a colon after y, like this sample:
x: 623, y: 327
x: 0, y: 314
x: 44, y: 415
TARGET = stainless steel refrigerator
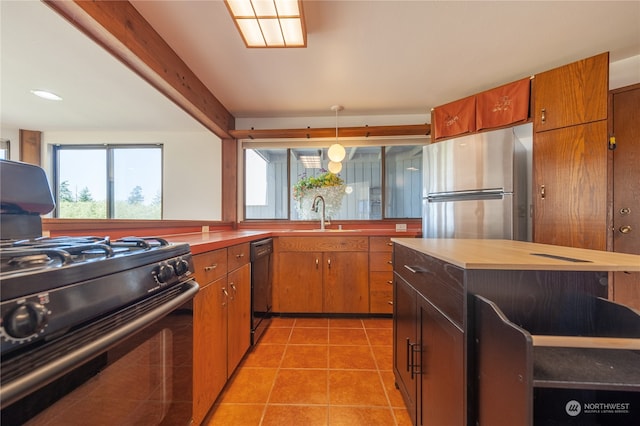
x: 475, y: 186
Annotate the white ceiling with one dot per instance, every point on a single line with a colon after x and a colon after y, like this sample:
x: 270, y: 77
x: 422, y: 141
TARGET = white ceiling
x: 380, y: 58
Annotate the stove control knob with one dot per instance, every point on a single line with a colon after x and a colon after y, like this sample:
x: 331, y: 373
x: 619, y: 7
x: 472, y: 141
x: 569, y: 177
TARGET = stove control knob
x: 25, y: 320
x: 164, y: 273
x: 181, y: 266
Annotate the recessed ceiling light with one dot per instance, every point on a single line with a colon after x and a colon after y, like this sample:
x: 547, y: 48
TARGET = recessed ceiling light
x: 46, y: 95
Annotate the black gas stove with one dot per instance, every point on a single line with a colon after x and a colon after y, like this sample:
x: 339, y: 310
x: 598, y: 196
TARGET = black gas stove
x: 49, y: 285
x: 67, y: 300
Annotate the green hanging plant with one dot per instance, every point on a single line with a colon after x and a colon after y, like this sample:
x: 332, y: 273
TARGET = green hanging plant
x: 307, y: 183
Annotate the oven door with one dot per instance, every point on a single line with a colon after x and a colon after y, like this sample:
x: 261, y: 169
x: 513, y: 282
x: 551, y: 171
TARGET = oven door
x: 133, y: 367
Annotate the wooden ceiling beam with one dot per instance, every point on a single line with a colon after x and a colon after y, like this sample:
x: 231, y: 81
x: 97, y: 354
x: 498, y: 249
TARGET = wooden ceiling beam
x: 345, y: 132
x: 120, y: 29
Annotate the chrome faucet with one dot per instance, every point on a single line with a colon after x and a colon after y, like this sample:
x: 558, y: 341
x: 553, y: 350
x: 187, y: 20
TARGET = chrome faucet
x: 314, y: 208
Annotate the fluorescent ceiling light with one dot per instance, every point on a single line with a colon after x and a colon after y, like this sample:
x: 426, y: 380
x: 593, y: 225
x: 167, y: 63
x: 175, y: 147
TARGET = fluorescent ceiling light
x: 310, y: 161
x: 269, y: 23
x: 44, y: 94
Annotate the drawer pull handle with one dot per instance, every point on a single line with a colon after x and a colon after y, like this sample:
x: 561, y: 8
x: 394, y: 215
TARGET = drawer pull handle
x: 211, y: 268
x: 390, y: 282
x: 329, y: 263
x: 390, y: 262
x: 413, y: 270
x: 238, y: 256
x: 390, y: 244
x: 390, y: 302
x: 317, y: 263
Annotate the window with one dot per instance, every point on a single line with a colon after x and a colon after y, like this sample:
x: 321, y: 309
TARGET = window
x: 4, y: 149
x: 378, y: 181
x: 109, y: 181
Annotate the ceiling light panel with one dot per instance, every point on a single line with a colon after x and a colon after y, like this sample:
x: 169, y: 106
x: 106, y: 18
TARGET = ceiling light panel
x: 269, y: 23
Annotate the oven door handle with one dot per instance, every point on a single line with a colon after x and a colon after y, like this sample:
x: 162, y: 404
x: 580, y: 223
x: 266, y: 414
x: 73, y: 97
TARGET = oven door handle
x: 27, y: 383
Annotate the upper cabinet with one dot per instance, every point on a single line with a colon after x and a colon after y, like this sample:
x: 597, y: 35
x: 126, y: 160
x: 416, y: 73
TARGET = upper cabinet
x: 572, y: 94
x: 570, y: 188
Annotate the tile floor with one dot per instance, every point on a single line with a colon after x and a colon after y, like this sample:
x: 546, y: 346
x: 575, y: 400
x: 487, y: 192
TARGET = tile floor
x: 315, y: 371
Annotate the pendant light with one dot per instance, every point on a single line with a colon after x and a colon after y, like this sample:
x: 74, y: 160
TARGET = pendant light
x: 334, y: 167
x: 336, y: 151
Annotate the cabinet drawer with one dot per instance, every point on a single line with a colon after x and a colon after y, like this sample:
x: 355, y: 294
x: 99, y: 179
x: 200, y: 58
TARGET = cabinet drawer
x: 322, y: 244
x: 440, y: 282
x: 210, y: 266
x: 380, y: 261
x: 237, y: 256
x: 380, y: 244
x: 381, y: 292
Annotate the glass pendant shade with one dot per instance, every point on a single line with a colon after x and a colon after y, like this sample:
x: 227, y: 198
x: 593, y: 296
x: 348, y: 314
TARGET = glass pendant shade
x: 336, y: 153
x: 334, y: 167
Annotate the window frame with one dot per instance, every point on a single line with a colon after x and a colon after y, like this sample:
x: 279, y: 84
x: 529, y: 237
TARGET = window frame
x: 110, y: 170
x: 289, y: 144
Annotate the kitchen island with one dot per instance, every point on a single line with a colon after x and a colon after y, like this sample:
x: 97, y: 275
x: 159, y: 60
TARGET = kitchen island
x: 506, y: 332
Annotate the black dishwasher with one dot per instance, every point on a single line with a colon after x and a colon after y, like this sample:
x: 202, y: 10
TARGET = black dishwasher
x: 261, y: 283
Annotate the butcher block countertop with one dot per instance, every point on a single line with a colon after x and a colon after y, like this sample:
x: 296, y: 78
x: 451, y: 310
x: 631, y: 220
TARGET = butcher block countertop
x: 519, y: 255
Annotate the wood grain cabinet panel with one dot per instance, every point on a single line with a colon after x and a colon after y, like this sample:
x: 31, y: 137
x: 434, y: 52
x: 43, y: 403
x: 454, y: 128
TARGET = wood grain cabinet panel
x: 572, y: 94
x: 221, y: 326
x: 570, y: 154
x: 321, y: 275
x: 380, y: 275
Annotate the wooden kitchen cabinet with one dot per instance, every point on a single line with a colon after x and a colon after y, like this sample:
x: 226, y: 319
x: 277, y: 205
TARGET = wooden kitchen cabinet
x: 321, y: 275
x: 570, y: 169
x: 501, y: 332
x: 429, y: 341
x: 572, y: 94
x: 570, y: 154
x: 380, y: 275
x: 345, y: 282
x: 222, y: 324
x: 209, y: 329
x: 238, y: 316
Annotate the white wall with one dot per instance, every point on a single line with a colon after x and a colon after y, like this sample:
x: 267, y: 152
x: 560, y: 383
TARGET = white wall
x: 192, y: 167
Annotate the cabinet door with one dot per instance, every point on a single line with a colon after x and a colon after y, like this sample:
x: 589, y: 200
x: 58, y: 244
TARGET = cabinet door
x: 346, y: 282
x: 404, y: 340
x: 299, y: 281
x: 239, y: 316
x: 570, y: 181
x: 440, y: 369
x: 572, y: 94
x: 209, y: 347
